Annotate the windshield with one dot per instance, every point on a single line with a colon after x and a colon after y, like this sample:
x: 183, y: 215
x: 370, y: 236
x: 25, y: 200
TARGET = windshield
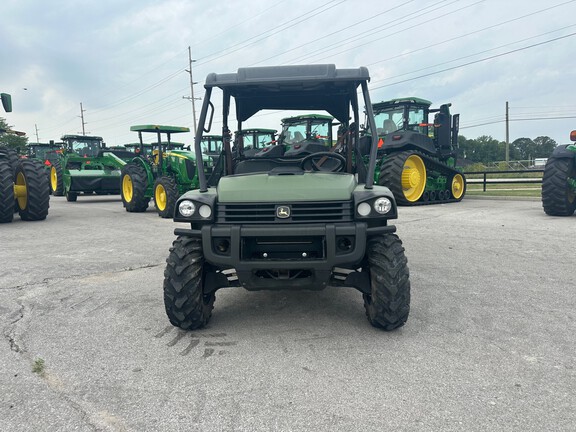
x: 86, y: 148
x: 211, y: 144
x: 257, y: 140
x: 42, y: 152
x: 318, y: 130
x: 392, y: 119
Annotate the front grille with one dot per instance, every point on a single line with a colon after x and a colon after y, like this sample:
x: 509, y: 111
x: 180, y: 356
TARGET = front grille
x: 302, y: 212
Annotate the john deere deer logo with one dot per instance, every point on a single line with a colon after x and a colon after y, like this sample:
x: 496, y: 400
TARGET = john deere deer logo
x: 282, y: 212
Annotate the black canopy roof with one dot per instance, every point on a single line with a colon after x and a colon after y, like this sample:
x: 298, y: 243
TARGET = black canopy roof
x: 302, y: 87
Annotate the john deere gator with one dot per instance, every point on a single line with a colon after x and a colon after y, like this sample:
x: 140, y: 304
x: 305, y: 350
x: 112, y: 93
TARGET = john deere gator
x: 85, y: 166
x: 417, y: 159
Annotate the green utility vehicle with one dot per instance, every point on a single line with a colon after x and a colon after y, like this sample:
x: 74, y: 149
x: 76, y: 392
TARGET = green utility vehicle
x: 23, y: 184
x: 417, y: 159
x: 559, y: 180
x: 85, y: 166
x: 164, y: 175
x: 299, y: 220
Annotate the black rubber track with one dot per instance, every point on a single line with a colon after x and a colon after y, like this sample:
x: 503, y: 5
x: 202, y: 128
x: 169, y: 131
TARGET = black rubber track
x: 388, y: 306
x: 37, y: 190
x: 6, y: 191
x: 391, y: 177
x: 59, y: 191
x: 186, y: 305
x: 169, y: 185
x: 139, y: 201
x: 558, y: 199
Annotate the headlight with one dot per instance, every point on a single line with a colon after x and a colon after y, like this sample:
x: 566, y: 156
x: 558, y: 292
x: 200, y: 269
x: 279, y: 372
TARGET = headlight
x: 382, y: 205
x: 186, y: 208
x: 205, y: 211
x: 363, y: 209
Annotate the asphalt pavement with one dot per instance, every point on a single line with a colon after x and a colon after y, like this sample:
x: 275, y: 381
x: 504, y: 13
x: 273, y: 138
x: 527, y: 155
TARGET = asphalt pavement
x: 489, y: 344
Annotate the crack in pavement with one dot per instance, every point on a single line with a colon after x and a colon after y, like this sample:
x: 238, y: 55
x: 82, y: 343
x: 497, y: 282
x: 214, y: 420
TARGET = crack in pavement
x: 74, y: 276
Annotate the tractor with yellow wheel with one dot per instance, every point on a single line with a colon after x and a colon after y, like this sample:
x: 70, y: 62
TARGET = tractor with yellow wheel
x: 23, y: 183
x: 417, y: 159
x: 163, y: 175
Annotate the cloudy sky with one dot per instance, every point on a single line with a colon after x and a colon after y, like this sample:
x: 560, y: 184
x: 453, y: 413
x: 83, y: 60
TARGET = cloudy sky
x: 126, y: 61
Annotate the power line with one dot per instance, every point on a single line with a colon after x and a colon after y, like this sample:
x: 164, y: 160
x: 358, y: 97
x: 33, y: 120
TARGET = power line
x: 475, y: 62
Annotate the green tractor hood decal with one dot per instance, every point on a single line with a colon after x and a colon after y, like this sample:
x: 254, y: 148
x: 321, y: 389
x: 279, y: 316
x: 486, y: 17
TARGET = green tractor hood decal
x: 316, y: 186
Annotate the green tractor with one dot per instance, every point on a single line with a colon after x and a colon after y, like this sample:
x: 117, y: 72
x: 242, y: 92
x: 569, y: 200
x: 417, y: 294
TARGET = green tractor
x: 559, y: 180
x: 23, y: 184
x: 46, y: 153
x: 254, y: 139
x: 303, y: 217
x: 417, y: 159
x: 163, y: 175
x: 85, y: 166
x: 212, y: 146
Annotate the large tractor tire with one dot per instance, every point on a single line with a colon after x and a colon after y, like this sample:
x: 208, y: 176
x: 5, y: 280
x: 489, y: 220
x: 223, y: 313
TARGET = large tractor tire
x: 558, y: 197
x: 133, y: 184
x: 388, y: 305
x: 404, y: 174
x: 165, y: 196
x: 71, y: 196
x: 56, y: 179
x: 186, y: 304
x: 6, y: 191
x: 11, y: 156
x: 32, y: 191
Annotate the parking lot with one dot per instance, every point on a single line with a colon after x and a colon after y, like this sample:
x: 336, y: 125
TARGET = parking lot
x: 489, y: 344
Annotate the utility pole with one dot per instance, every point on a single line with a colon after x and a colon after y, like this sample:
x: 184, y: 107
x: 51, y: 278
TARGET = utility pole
x: 507, y: 134
x: 191, y: 98
x: 36, y: 127
x: 82, y: 117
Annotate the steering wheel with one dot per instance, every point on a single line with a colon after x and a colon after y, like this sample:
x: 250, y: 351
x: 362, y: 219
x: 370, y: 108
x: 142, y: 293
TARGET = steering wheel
x: 316, y: 160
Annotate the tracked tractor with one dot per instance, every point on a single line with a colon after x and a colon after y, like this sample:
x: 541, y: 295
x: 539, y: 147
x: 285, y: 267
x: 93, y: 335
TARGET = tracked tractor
x: 163, y: 175
x: 301, y: 219
x: 417, y: 159
x: 559, y: 180
x: 85, y: 167
x: 23, y: 183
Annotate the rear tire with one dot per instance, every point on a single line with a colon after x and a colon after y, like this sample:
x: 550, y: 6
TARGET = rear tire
x: 558, y: 198
x: 11, y: 156
x: 388, y: 305
x: 133, y: 185
x: 56, y: 179
x: 6, y: 191
x: 34, y: 204
x: 165, y: 196
x: 186, y: 305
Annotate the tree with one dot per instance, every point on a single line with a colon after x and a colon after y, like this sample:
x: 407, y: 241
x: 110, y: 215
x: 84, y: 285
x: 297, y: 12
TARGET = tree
x: 11, y: 139
x: 544, y: 146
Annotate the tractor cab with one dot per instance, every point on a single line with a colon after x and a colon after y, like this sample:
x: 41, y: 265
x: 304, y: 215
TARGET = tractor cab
x: 251, y: 141
x: 83, y: 145
x: 44, y: 152
x: 407, y: 120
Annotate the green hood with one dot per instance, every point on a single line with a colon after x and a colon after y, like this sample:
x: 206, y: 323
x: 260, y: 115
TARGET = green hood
x: 316, y: 186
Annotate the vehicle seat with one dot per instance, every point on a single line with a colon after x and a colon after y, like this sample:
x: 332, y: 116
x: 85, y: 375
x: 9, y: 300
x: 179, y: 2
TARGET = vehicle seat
x: 389, y: 126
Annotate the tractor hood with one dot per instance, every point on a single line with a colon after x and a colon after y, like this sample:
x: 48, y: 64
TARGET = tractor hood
x: 316, y: 186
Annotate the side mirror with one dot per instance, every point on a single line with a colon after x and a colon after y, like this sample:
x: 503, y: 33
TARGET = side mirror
x: 211, y: 106
x: 6, y: 102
